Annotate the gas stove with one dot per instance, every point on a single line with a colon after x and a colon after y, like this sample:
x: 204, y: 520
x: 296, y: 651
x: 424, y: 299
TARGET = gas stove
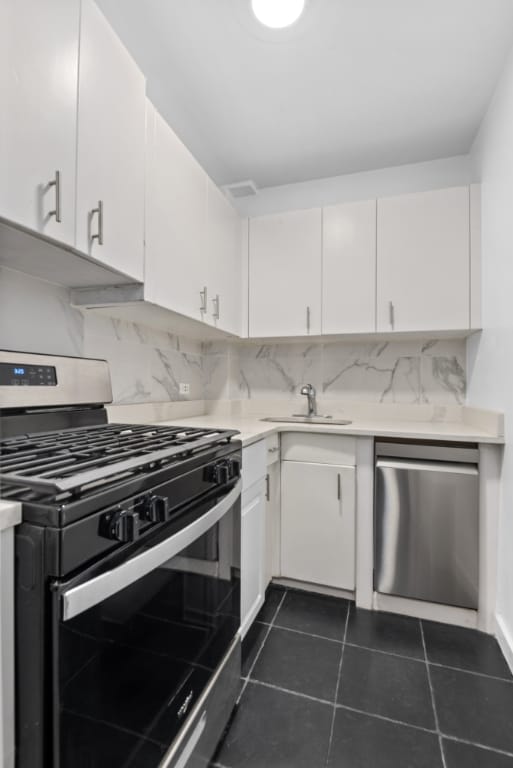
x: 74, y: 460
x: 123, y: 526
x: 63, y: 475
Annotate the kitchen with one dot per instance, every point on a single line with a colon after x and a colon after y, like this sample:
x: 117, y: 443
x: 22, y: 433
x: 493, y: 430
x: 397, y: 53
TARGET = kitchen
x: 273, y: 527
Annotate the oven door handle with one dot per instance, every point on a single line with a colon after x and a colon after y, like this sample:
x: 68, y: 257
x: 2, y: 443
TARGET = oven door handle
x: 84, y: 596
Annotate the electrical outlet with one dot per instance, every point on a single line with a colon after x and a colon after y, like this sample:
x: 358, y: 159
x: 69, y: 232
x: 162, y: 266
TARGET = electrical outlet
x: 184, y: 388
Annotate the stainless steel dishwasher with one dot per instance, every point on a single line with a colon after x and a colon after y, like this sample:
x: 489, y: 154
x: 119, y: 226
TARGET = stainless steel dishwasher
x: 427, y: 522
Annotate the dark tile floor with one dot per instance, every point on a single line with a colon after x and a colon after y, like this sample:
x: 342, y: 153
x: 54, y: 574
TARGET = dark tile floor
x: 329, y: 686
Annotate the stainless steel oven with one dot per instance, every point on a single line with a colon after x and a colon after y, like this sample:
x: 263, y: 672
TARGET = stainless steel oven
x: 127, y: 574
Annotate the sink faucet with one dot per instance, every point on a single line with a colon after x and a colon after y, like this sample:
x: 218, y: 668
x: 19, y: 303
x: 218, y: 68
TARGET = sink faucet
x: 309, y: 391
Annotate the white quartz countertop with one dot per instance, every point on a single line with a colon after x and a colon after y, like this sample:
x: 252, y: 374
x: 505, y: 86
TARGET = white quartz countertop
x: 10, y: 514
x: 252, y: 428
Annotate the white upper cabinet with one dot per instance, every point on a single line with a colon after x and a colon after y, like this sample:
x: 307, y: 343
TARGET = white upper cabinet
x: 423, y: 279
x: 349, y: 268
x: 224, y: 261
x: 285, y: 274
x: 110, y: 152
x: 176, y: 223
x: 38, y: 90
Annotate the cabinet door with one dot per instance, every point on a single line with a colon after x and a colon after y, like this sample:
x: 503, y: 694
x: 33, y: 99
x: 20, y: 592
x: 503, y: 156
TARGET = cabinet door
x: 318, y: 523
x: 224, y: 262
x: 285, y: 274
x: 349, y: 268
x: 252, y: 554
x: 424, y: 261
x: 272, y: 524
x: 39, y: 62
x: 176, y: 219
x: 111, y: 141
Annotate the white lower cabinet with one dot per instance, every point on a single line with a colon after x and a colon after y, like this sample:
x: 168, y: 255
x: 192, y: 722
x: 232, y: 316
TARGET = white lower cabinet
x: 272, y: 511
x: 253, y: 536
x: 318, y: 523
x: 252, y: 553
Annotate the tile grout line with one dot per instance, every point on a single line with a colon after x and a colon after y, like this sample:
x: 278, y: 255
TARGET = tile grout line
x: 307, y: 634
x: 437, y: 731
x: 390, y: 653
x: 432, y: 663
x: 269, y: 627
x: 325, y: 702
x: 339, y: 675
x: 415, y: 727
x: 477, y: 744
x: 387, y: 719
x: 300, y: 695
x: 470, y: 672
x: 374, y: 715
x: 335, y: 705
x: 433, y: 703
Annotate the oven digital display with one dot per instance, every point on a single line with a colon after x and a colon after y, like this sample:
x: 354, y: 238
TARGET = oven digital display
x: 22, y: 375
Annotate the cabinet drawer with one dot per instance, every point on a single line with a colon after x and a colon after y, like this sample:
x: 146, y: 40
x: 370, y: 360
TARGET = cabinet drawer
x: 272, y: 444
x: 254, y: 465
x: 322, y: 449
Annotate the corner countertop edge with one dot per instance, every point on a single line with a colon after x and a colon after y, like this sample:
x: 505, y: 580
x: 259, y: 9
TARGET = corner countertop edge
x: 10, y: 514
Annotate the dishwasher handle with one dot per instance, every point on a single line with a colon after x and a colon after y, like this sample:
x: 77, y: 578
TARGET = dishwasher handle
x: 409, y: 465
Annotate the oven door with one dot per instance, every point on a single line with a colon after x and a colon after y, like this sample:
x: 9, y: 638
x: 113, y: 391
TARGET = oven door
x: 137, y: 647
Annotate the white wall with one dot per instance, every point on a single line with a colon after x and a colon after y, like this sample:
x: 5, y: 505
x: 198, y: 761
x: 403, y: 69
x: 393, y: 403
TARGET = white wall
x: 490, y: 355
x: 416, y: 177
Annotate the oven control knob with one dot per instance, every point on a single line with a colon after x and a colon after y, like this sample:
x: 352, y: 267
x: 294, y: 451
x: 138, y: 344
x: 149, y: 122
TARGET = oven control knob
x: 155, y: 509
x: 218, y: 473
x: 234, y: 468
x: 124, y: 526
x: 223, y: 472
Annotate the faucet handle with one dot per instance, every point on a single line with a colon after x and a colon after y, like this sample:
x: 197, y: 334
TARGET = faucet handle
x: 307, y: 389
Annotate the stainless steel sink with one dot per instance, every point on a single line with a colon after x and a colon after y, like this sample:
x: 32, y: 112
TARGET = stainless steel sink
x: 297, y: 419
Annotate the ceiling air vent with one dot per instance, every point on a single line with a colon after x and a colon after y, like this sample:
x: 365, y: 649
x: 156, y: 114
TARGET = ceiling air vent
x: 241, y: 189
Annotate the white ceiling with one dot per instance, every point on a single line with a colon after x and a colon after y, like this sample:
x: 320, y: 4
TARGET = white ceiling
x: 354, y: 85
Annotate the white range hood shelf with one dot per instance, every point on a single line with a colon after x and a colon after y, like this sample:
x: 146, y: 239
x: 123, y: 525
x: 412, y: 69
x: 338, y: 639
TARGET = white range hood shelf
x: 48, y: 259
x: 127, y: 302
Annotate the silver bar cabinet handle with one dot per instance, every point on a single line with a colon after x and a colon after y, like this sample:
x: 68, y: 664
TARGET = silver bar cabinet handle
x: 339, y: 486
x: 99, y: 235
x: 57, y: 184
x: 391, y: 314
x: 308, y: 319
x: 203, y: 295
x: 216, y: 307
x: 267, y: 487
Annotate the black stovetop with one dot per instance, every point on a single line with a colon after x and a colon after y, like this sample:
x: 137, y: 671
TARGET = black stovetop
x: 63, y: 467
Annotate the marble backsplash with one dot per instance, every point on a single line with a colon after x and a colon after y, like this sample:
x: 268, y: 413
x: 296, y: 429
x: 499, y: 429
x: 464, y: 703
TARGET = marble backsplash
x: 414, y: 371
x: 147, y: 365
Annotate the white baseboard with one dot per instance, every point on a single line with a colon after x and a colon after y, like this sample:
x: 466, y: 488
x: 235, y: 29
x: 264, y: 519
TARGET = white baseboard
x: 445, y: 614
x: 318, y: 588
x: 505, y: 640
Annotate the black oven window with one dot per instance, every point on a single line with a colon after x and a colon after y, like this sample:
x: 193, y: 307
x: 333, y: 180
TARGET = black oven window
x: 133, y: 666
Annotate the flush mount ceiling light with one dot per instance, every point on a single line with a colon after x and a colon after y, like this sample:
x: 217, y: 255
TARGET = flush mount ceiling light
x: 278, y: 14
